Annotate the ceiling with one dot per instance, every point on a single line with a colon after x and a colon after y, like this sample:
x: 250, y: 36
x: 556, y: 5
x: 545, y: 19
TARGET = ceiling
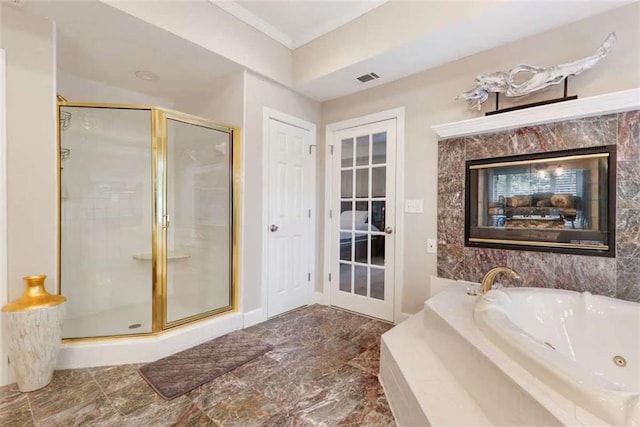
x: 295, y: 23
x: 89, y: 46
x: 98, y: 41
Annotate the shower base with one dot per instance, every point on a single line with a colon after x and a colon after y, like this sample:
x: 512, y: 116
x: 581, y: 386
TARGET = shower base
x: 143, y: 349
x: 130, y: 319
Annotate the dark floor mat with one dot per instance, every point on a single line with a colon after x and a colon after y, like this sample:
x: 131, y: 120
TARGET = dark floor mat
x: 179, y: 373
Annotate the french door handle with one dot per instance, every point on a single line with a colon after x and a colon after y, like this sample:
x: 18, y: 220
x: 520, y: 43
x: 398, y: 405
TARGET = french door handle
x: 273, y: 228
x: 388, y: 230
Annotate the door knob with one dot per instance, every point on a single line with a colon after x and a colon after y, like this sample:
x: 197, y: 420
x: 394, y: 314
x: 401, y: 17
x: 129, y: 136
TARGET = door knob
x: 388, y: 230
x: 273, y: 228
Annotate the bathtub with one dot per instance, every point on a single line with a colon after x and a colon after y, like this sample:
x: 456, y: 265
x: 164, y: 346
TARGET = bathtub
x: 584, y: 346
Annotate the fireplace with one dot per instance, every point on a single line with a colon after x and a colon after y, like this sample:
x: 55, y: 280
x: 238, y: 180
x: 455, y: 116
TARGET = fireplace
x: 561, y: 201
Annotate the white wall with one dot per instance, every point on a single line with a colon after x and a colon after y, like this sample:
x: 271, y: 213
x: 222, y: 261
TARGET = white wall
x: 429, y: 99
x: 29, y: 42
x: 261, y: 93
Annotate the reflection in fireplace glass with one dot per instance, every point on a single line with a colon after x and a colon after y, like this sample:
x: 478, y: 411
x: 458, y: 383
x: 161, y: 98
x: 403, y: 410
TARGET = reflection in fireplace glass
x: 560, y: 200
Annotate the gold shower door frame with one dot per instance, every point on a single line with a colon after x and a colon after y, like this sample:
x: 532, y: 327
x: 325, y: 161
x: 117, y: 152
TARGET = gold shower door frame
x: 159, y: 250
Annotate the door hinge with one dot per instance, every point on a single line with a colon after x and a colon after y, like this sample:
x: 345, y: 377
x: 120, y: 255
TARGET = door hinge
x: 309, y: 277
x: 329, y: 276
x: 330, y: 213
x: 311, y: 146
x: 309, y: 213
x: 331, y: 149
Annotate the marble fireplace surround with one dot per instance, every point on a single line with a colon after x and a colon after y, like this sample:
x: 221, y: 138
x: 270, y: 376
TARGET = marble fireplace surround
x: 600, y: 120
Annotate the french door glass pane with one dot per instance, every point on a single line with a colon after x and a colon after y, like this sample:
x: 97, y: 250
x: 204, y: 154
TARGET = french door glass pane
x: 360, y: 280
x: 362, y: 150
x: 199, y: 206
x: 379, y: 149
x: 378, y: 180
x: 347, y: 183
x: 361, y: 247
x: 377, y: 283
x: 362, y: 215
x: 347, y: 153
x: 345, y: 277
x: 362, y: 183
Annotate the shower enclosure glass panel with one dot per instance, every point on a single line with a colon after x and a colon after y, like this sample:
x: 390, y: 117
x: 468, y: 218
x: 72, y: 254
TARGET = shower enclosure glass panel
x: 198, y: 225
x: 147, y: 231
x: 106, y: 220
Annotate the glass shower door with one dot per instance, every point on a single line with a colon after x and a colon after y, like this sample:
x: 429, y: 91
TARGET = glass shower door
x: 105, y: 220
x: 197, y: 225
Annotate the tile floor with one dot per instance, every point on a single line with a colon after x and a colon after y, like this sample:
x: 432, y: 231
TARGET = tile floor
x: 322, y: 371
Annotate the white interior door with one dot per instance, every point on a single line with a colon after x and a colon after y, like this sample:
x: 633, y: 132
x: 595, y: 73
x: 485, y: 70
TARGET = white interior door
x: 290, y: 203
x: 363, y: 219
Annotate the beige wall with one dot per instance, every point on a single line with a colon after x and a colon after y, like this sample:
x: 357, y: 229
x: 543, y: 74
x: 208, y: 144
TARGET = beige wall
x: 262, y: 93
x: 429, y: 99
x: 224, y: 102
x: 31, y: 147
x: 79, y: 89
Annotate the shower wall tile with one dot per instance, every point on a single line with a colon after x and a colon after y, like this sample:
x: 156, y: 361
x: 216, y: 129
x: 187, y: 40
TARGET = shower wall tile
x: 619, y: 277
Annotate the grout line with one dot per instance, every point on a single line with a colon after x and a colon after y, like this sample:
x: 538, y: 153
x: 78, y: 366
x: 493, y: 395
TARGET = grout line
x: 105, y: 394
x: 33, y: 418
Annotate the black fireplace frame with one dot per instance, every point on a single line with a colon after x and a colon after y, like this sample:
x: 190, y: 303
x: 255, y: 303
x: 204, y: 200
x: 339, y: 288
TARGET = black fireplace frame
x: 540, y: 247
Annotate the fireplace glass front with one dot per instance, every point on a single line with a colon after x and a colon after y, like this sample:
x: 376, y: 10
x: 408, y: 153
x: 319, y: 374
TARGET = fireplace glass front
x: 556, y: 202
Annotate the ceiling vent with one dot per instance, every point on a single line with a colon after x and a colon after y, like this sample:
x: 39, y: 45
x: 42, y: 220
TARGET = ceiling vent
x: 368, y: 77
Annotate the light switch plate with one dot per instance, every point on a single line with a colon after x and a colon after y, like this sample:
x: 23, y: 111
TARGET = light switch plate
x: 413, y: 206
x: 431, y: 246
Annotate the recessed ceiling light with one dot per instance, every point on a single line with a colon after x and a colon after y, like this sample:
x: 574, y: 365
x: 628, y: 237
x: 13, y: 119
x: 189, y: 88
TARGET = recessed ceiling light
x: 146, y: 75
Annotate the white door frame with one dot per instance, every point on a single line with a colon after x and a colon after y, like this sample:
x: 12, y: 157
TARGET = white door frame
x: 268, y: 114
x: 4, y: 284
x: 398, y: 114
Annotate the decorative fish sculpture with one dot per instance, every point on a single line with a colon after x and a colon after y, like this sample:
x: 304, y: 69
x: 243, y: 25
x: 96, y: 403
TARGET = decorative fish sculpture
x: 541, y: 77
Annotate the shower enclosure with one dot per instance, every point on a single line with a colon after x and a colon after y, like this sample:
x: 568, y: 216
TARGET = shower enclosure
x: 147, y: 219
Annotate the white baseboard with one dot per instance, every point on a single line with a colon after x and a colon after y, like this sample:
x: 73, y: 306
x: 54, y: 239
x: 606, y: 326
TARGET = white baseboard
x: 320, y: 298
x: 254, y: 317
x: 119, y: 351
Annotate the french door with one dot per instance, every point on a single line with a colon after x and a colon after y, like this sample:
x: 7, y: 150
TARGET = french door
x: 363, y: 219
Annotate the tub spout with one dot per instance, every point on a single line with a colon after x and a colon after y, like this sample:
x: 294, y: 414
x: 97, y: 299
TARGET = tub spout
x: 490, y: 277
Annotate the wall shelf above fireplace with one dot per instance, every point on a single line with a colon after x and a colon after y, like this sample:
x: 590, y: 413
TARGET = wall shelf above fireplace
x: 615, y: 102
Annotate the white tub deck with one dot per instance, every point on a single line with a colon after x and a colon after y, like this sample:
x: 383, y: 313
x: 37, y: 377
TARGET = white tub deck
x: 439, y: 369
